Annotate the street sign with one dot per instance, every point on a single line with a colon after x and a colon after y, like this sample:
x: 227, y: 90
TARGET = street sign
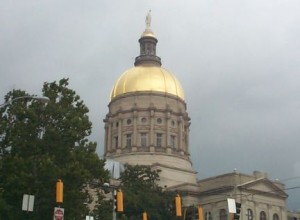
x: 58, y: 213
x: 231, y: 205
x: 28, y: 202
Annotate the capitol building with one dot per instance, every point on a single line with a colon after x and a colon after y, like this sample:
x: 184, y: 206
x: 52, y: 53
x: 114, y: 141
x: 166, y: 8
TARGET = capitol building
x: 148, y: 124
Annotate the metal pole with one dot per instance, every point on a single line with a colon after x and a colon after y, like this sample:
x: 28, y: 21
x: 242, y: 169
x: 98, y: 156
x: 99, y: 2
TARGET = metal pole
x: 114, y: 216
x: 42, y: 99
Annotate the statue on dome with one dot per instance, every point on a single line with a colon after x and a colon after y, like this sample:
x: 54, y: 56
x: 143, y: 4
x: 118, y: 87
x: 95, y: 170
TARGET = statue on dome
x: 148, y: 20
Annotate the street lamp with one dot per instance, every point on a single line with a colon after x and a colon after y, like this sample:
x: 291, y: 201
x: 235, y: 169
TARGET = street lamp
x: 107, y: 187
x: 113, y: 191
x: 42, y: 99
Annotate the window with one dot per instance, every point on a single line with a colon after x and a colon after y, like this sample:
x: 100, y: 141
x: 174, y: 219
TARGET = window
x: 223, y: 214
x: 143, y: 120
x: 173, y: 141
x: 249, y: 214
x: 116, y: 142
x: 143, y: 139
x: 275, y: 217
x: 158, y: 139
x: 262, y: 216
x: 128, y: 121
x: 208, y: 216
x: 128, y: 140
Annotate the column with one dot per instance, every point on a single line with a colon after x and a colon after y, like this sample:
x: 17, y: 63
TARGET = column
x: 180, y: 134
x: 120, y: 136
x: 135, y: 122
x: 151, y: 135
x: 109, y: 137
x: 167, y: 138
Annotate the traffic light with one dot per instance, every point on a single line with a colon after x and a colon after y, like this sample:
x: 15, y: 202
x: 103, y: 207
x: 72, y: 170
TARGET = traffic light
x: 178, y: 205
x: 59, y: 191
x: 119, y: 201
x: 145, y: 217
x: 237, y: 214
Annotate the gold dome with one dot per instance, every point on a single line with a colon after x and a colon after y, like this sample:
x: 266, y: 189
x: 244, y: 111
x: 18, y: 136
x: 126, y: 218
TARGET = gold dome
x: 148, y: 33
x: 147, y: 78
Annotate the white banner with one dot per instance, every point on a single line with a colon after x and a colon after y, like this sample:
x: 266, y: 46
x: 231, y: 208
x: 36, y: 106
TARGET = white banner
x: 231, y: 205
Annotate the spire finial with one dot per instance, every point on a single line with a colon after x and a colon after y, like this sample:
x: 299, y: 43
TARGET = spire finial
x: 148, y: 46
x: 148, y: 20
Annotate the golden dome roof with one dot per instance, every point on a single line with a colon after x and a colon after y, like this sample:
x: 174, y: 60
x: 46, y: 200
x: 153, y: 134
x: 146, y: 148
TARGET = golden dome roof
x: 148, y: 33
x: 147, y: 78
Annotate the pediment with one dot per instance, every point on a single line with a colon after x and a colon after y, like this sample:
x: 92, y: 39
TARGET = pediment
x: 263, y: 186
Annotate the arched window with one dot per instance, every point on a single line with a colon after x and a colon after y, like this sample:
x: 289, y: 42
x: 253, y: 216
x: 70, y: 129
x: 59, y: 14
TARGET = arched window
x: 208, y: 216
x: 275, y: 217
x: 249, y: 214
x: 262, y: 216
x: 223, y: 214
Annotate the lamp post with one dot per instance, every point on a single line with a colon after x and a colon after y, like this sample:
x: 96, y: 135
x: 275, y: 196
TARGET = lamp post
x: 113, y: 191
x: 115, y: 168
x: 28, y: 200
x: 42, y: 99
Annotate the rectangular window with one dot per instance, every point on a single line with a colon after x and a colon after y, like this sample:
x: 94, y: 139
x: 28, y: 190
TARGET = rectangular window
x: 116, y: 142
x: 143, y: 139
x: 173, y: 141
x: 128, y: 140
x: 159, y: 139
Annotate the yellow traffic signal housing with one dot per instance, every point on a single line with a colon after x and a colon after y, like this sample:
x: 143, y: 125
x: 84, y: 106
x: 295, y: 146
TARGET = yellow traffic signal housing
x: 200, y: 213
x: 145, y: 217
x: 178, y: 205
x: 119, y: 205
x: 59, y: 191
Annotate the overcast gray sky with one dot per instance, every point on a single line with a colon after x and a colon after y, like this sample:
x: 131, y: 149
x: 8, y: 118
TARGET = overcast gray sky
x: 238, y: 62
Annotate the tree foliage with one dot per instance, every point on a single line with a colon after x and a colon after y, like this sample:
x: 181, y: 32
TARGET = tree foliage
x: 103, y: 209
x: 142, y: 193
x: 40, y: 143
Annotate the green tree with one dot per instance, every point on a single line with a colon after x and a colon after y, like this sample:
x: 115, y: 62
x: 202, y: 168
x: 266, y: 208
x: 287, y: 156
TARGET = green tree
x: 142, y: 193
x: 40, y: 143
x: 103, y: 209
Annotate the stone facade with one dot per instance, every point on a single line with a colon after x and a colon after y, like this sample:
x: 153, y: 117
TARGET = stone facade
x: 260, y: 197
x: 293, y: 215
x: 150, y: 128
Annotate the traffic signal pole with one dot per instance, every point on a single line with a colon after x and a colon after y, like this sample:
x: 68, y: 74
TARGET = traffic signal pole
x: 114, y: 214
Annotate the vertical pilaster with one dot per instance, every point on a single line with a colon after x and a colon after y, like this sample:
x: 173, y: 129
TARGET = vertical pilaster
x: 187, y: 131
x: 106, y: 137
x: 151, y: 135
x: 180, y: 132
x: 120, y: 136
x: 109, y: 137
x: 135, y: 124
x: 167, y: 138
